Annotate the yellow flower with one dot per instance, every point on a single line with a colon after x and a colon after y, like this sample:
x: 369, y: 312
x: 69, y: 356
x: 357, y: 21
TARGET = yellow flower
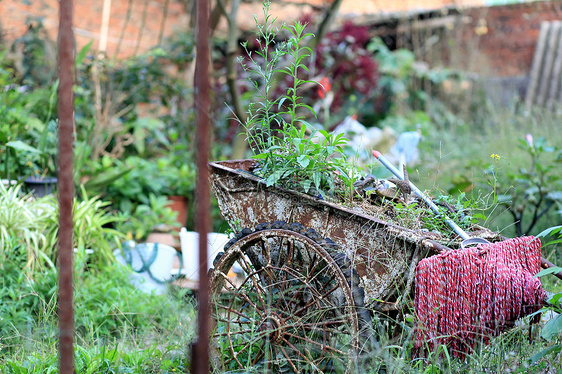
x: 495, y: 156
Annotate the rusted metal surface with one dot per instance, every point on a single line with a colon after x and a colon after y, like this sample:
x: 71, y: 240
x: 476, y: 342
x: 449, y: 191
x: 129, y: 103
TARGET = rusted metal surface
x: 65, y: 185
x: 200, y: 361
x: 382, y: 253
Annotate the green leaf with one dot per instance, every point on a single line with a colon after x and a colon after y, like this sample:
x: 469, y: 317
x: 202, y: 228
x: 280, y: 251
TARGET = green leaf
x: 83, y: 52
x: 274, y: 177
x: 303, y: 161
x: 550, y: 231
x: 555, y: 349
x: 306, y: 184
x: 260, y: 156
x: 552, y: 327
x: 281, y: 101
x: 317, y: 178
x: 18, y: 145
x: 555, y: 298
x: 554, y: 269
x: 552, y: 242
x: 309, y: 108
x: 103, y: 179
x: 479, y: 216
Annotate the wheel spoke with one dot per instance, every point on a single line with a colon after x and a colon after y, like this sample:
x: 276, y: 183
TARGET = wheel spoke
x: 236, y: 354
x: 290, y: 251
x: 288, y: 359
x: 311, y: 270
x: 315, y: 300
x: 229, y: 333
x: 245, y: 297
x: 324, y: 347
x: 239, y: 322
x: 298, y: 352
x: 265, y: 243
x: 261, y: 354
x: 241, y: 293
x: 316, y: 274
x: 251, y: 274
x: 230, y: 310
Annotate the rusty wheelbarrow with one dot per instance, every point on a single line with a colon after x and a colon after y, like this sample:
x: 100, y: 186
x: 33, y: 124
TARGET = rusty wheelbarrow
x: 313, y: 274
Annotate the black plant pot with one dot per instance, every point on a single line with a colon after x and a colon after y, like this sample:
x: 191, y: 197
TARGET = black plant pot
x: 40, y: 187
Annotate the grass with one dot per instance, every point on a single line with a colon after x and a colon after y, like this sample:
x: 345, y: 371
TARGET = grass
x: 118, y: 329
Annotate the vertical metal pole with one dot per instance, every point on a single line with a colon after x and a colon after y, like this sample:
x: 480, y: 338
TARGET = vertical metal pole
x: 200, y: 361
x: 66, y: 186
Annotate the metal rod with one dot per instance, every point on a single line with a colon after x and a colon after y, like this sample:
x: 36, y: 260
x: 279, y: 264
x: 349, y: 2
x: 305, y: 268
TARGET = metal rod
x: 422, y: 196
x: 65, y: 185
x: 200, y: 361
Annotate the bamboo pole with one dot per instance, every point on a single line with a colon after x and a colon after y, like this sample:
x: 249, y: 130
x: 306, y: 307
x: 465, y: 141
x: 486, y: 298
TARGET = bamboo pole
x: 106, y: 13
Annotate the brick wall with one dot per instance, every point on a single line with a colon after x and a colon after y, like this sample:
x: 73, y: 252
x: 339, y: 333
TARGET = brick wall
x: 498, y: 41
x: 512, y: 35
x: 140, y: 30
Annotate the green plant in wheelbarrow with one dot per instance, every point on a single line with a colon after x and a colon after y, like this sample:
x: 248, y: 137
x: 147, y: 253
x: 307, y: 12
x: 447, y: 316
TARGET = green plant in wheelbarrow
x: 290, y: 151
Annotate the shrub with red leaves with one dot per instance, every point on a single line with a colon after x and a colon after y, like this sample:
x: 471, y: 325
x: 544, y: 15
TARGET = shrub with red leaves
x: 343, y: 58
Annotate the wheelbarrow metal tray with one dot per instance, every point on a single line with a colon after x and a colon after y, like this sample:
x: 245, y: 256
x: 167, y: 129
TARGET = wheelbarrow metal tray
x: 383, y: 254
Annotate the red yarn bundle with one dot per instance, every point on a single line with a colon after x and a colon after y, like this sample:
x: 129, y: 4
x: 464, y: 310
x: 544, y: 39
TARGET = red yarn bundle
x: 463, y: 297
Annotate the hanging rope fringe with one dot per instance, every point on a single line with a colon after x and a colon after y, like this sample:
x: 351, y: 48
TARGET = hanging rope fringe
x: 463, y: 297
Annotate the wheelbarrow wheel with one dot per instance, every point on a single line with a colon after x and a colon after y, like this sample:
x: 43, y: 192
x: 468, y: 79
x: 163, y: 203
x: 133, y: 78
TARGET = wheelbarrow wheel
x: 295, y: 305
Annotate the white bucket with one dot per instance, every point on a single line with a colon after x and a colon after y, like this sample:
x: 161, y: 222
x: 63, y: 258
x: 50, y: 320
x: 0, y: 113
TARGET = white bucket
x: 190, y: 251
x: 151, y: 262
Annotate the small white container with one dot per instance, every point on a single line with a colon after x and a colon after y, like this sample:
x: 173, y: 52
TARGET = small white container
x: 190, y: 251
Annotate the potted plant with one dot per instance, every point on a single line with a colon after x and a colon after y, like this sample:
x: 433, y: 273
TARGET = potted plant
x: 28, y: 145
x: 34, y: 165
x: 179, y: 183
x: 154, y: 219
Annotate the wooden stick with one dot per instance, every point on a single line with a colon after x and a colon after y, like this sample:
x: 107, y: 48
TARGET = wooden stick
x: 545, y: 264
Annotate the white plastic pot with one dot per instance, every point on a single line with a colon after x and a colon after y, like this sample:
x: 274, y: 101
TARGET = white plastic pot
x: 190, y: 251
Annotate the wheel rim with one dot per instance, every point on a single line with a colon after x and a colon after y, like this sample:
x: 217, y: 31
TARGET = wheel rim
x: 292, y: 311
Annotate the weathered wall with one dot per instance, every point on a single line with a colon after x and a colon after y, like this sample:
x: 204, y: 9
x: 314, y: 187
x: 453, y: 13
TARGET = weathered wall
x: 498, y: 41
x: 138, y: 21
x: 141, y: 29
x: 512, y: 34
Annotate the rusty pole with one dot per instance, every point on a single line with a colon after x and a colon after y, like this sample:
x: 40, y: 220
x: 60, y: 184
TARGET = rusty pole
x: 65, y: 185
x: 200, y: 358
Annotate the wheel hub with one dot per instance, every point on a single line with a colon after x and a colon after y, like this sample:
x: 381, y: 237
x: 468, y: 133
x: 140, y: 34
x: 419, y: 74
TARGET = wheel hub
x: 274, y: 326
